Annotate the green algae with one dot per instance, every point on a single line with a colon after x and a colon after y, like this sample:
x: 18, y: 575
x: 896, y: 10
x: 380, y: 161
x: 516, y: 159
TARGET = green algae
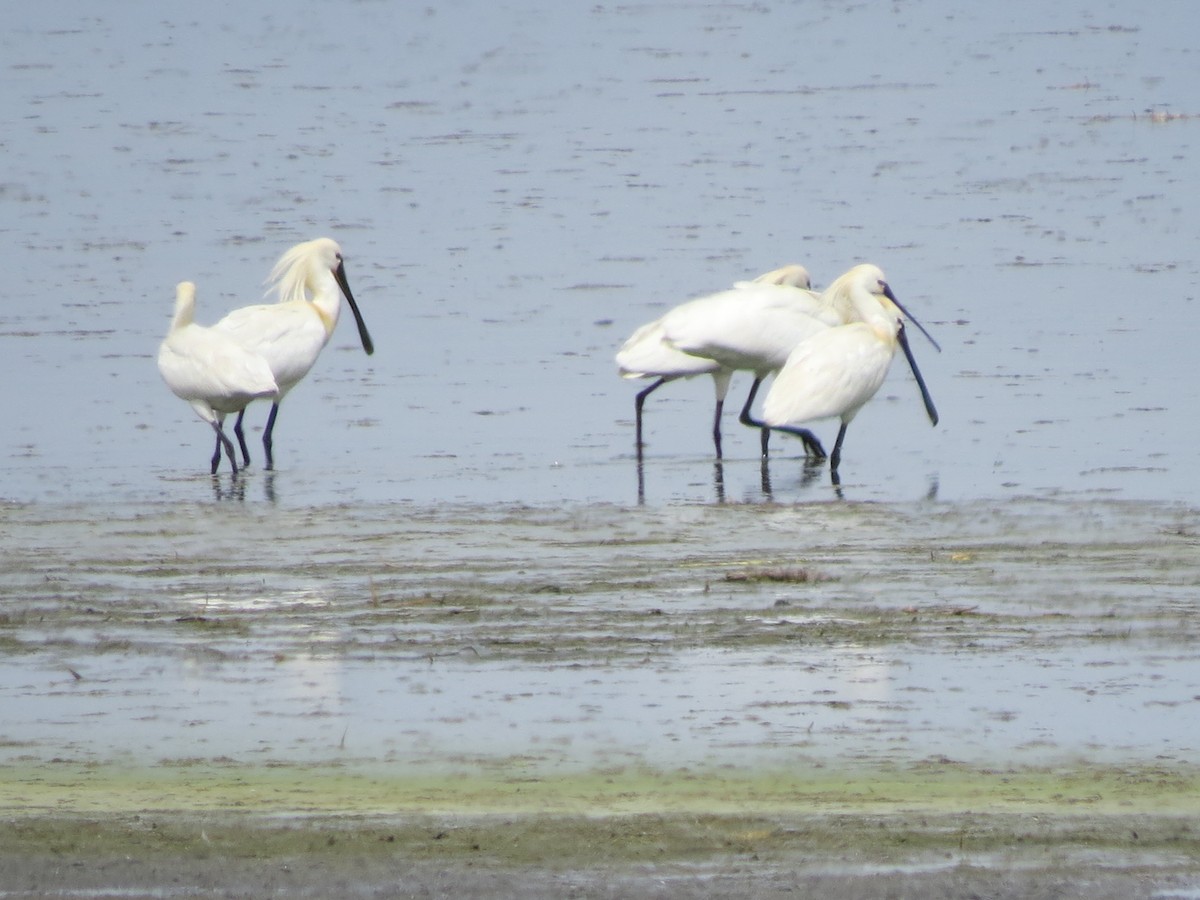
x: 355, y: 815
x: 519, y: 787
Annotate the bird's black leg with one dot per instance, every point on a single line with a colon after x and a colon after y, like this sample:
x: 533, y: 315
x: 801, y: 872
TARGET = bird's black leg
x: 638, y: 403
x: 223, y: 440
x: 812, y: 446
x: 836, y: 457
x: 237, y: 429
x: 267, y: 435
x: 748, y: 420
x: 744, y: 417
x: 717, y: 427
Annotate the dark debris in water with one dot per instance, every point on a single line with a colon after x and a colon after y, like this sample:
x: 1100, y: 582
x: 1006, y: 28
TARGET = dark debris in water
x: 778, y: 574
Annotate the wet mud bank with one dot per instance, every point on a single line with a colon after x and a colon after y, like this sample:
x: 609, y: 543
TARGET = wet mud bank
x: 688, y: 699
x: 848, y: 855
x: 1024, y: 633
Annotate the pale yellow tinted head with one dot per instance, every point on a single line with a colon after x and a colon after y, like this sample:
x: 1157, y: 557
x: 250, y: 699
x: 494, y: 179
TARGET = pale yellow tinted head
x: 793, y: 275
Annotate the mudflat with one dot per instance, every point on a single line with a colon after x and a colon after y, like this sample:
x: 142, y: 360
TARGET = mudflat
x: 836, y: 699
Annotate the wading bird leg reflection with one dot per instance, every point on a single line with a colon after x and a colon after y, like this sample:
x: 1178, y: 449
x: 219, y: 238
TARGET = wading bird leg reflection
x: 932, y: 493
x: 236, y: 492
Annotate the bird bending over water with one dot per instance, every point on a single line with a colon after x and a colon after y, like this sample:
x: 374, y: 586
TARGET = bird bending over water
x: 834, y: 373
x: 753, y: 328
x: 648, y: 353
x: 310, y: 280
x: 210, y: 370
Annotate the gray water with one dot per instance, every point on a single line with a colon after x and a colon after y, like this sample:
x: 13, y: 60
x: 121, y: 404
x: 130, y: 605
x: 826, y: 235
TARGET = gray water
x: 517, y: 186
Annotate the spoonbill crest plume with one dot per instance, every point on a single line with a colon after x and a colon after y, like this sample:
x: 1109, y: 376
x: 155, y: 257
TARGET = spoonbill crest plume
x: 210, y: 370
x: 310, y: 280
x: 649, y: 354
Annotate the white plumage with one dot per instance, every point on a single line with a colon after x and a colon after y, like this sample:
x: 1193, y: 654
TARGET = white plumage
x: 835, y: 372
x: 676, y: 345
x: 210, y: 370
x: 310, y: 280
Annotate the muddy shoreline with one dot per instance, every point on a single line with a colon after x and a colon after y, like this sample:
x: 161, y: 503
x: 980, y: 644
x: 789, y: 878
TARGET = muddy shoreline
x: 864, y: 855
x: 847, y: 699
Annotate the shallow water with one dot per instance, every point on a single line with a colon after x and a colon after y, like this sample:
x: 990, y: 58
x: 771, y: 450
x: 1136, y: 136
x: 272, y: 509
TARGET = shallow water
x: 518, y: 185
x: 450, y: 562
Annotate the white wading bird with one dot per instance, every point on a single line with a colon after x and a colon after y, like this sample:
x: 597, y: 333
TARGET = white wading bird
x: 754, y: 328
x: 209, y: 370
x: 649, y: 354
x: 291, y: 333
x: 835, y: 372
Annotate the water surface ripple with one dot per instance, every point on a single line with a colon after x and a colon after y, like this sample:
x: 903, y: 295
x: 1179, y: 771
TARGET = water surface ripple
x: 518, y: 185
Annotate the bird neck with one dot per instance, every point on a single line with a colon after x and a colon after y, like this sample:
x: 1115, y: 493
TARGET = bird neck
x: 879, y: 313
x: 327, y: 301
x: 185, y: 314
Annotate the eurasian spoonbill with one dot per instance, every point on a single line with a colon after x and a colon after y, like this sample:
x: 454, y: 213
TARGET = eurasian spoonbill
x: 648, y: 354
x: 291, y: 333
x: 835, y: 372
x: 209, y: 370
x: 752, y: 327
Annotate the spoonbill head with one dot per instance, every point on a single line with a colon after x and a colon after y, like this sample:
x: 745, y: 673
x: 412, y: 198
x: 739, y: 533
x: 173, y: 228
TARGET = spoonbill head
x: 209, y: 370
x: 310, y: 280
x: 870, y: 279
x: 648, y: 353
x: 835, y: 373
x: 791, y: 275
x: 305, y: 269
